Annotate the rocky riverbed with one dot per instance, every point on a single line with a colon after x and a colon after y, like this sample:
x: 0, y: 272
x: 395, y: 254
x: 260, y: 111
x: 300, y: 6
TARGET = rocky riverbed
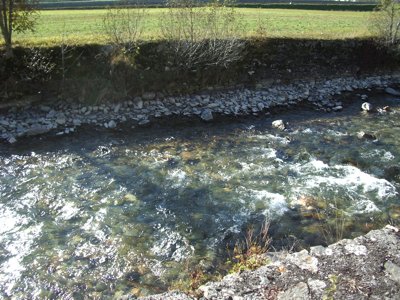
x: 367, y: 267
x: 64, y: 117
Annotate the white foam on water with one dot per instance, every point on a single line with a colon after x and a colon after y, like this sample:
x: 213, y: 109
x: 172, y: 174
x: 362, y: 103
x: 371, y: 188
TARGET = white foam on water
x: 307, y: 131
x: 93, y: 224
x: 67, y: 212
x: 171, y: 245
x: 178, y: 177
x: 18, y: 247
x: 270, y: 137
x: 378, y: 154
x: 276, y: 203
x: 10, y: 221
x: 336, y: 133
x: 358, y: 185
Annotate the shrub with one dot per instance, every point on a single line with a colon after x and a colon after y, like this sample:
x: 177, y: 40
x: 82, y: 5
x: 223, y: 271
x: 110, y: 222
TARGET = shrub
x: 202, y: 35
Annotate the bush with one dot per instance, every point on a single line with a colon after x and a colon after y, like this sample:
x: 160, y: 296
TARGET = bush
x: 385, y: 23
x: 202, y: 35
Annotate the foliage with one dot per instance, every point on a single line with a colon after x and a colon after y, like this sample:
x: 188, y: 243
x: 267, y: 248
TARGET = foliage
x: 124, y: 26
x: 18, y: 16
x: 250, y: 253
x: 385, y: 22
x: 333, y: 222
x: 330, y: 291
x: 39, y: 65
x: 202, y: 35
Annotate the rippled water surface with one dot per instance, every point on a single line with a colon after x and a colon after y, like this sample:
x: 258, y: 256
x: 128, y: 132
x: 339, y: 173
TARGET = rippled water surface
x: 108, y: 213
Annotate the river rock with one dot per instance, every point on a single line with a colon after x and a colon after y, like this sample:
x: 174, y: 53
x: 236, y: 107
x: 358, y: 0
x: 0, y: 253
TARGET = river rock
x: 279, y: 124
x: 112, y: 124
x: 12, y: 140
x: 366, y: 136
x: 206, y: 115
x: 36, y: 130
x: 366, y: 106
x: 149, y: 96
x: 61, y: 120
x: 392, y: 91
x: 138, y: 102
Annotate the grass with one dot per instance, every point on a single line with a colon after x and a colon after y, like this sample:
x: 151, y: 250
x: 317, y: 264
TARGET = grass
x: 86, y: 27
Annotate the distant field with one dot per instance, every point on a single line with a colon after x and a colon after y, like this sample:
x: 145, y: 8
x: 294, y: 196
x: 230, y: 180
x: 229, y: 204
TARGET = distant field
x: 86, y: 26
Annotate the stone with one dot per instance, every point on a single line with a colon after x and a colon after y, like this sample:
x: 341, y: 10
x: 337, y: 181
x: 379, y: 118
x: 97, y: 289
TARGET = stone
x: 393, y: 271
x: 296, y: 292
x: 4, y: 123
x: 366, y: 106
x: 207, y: 115
x: 139, y: 103
x: 144, y: 122
x: 392, y: 91
x: 76, y: 122
x: 304, y: 261
x: 337, y: 108
x: 316, y: 287
x: 45, y: 108
x: 355, y: 249
x: 117, y: 108
x: 36, y: 130
x: 366, y: 136
x: 112, y: 124
x: 12, y: 140
x: 61, y: 120
x: 149, y: 96
x: 260, y: 106
x: 279, y: 124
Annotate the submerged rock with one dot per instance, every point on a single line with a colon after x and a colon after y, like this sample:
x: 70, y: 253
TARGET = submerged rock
x: 392, y: 91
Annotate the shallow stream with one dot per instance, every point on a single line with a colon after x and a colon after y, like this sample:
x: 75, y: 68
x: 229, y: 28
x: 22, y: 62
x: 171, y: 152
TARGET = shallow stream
x: 105, y: 213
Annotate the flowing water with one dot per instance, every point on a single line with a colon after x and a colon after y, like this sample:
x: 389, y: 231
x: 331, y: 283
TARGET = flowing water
x: 107, y: 213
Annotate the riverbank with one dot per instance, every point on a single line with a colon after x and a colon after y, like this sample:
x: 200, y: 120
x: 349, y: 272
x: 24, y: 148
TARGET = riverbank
x: 65, y: 117
x: 367, y: 267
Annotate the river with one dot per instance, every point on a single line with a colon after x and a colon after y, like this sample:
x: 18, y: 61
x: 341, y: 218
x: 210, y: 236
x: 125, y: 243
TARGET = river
x: 104, y: 213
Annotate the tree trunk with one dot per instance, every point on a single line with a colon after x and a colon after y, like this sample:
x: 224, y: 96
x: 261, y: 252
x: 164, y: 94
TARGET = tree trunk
x: 9, y: 51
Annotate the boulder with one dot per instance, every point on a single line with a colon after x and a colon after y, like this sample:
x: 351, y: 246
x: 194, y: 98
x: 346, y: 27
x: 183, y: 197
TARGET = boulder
x: 279, y: 124
x: 366, y: 106
x: 366, y: 136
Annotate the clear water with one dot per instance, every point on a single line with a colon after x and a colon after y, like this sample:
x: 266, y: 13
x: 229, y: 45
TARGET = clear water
x: 106, y: 213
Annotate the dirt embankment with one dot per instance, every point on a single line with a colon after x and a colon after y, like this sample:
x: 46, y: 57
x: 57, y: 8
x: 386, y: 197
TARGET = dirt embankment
x: 95, y: 74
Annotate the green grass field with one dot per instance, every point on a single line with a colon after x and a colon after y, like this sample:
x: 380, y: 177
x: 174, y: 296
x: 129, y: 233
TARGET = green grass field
x: 86, y: 26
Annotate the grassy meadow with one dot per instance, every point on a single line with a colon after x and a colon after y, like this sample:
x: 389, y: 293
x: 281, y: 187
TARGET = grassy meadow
x: 86, y: 26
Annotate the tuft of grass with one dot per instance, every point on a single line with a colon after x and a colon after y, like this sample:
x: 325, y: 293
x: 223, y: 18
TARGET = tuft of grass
x: 249, y: 254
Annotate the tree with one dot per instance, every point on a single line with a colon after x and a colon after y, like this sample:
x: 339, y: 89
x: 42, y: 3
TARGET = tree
x: 386, y: 22
x: 16, y: 16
